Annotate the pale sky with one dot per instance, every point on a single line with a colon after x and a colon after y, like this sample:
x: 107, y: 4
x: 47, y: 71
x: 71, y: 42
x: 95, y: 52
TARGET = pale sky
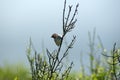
x: 39, y: 19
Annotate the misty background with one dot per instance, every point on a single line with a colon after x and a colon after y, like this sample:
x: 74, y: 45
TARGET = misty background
x: 39, y: 19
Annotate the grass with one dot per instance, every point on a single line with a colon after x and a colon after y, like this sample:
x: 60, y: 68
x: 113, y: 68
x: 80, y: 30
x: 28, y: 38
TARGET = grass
x: 19, y: 72
x: 14, y: 72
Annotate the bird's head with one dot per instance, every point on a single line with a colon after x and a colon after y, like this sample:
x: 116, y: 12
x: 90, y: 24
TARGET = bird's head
x: 54, y: 35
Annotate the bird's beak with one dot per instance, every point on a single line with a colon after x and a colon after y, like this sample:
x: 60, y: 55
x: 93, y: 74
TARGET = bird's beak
x: 52, y: 36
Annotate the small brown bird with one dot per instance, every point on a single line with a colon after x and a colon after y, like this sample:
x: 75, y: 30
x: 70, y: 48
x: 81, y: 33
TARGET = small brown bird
x: 57, y: 39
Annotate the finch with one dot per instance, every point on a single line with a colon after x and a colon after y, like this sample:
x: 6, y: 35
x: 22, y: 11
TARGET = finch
x: 57, y: 38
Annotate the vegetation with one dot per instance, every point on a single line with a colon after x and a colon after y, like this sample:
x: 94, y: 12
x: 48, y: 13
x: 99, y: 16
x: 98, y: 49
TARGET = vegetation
x: 14, y: 72
x: 105, y: 66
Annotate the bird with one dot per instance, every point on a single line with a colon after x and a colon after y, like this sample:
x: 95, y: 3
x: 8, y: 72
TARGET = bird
x: 57, y: 39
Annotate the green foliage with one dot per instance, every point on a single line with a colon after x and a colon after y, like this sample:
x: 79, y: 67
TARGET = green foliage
x: 14, y: 72
x: 102, y: 66
x: 106, y: 67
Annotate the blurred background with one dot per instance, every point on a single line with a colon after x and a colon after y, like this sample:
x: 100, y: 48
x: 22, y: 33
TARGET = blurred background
x: 39, y: 19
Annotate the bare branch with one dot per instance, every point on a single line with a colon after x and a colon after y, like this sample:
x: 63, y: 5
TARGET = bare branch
x: 64, y: 16
x: 70, y: 7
